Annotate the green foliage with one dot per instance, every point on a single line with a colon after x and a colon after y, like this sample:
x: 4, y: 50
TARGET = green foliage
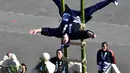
x: 13, y: 69
x: 41, y: 67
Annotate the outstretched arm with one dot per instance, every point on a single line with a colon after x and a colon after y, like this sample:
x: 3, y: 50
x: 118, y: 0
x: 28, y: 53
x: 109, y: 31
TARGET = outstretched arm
x: 35, y: 31
x: 51, y: 32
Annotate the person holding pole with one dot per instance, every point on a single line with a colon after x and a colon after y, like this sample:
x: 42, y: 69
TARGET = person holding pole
x: 70, y: 17
x: 106, y: 59
x: 67, y: 31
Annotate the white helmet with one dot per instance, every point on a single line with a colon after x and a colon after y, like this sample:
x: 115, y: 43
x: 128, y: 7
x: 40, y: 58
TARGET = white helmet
x: 46, y: 56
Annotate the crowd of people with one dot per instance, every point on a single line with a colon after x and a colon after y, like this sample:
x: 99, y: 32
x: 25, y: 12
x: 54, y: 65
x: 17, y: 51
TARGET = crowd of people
x: 69, y: 29
x: 10, y: 64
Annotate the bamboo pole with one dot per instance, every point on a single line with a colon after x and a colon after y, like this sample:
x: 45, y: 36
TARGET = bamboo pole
x: 83, y: 47
x: 65, y: 48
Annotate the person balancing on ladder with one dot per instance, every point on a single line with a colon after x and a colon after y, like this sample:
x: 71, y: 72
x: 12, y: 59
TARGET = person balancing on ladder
x: 70, y: 25
x: 69, y: 29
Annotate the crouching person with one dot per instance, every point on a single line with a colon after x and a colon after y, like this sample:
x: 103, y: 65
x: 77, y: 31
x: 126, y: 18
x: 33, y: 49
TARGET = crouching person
x: 10, y: 64
x: 45, y: 66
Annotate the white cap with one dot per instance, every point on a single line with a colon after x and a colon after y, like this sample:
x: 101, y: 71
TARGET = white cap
x: 46, y: 56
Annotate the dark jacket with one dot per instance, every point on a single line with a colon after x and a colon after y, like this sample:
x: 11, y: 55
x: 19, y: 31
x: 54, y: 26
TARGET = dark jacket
x: 105, y: 58
x: 60, y: 65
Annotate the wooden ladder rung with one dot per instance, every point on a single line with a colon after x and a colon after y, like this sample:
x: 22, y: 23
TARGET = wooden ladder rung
x: 74, y: 60
x: 77, y: 43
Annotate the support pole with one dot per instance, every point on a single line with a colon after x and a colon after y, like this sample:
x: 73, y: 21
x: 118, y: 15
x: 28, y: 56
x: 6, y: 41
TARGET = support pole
x: 63, y: 9
x: 82, y: 11
x: 62, y: 6
x: 66, y: 48
x: 83, y: 47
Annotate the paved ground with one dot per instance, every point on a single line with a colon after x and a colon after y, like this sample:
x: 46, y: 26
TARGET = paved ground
x: 18, y: 16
